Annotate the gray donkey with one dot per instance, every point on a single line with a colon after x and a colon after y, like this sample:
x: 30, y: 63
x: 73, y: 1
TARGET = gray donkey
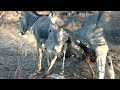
x: 40, y: 26
x: 100, y: 30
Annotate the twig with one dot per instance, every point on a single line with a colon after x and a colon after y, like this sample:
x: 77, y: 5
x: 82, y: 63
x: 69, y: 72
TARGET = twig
x: 16, y: 70
x: 19, y: 66
x: 9, y: 74
x: 69, y: 63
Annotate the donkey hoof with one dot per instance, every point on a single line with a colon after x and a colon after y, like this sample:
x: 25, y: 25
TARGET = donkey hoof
x: 37, y: 72
x: 44, y: 76
x: 94, y: 77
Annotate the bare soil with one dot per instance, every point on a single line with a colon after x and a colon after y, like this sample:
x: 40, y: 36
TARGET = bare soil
x: 18, y: 55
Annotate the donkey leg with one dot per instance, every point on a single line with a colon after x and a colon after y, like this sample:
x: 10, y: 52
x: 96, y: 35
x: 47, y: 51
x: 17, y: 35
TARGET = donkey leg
x: 64, y: 52
x: 90, y: 67
x: 109, y: 67
x: 51, y: 64
x: 39, y: 59
x: 101, y: 53
x: 48, y: 62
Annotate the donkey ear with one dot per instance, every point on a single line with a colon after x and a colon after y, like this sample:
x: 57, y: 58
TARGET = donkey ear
x: 23, y: 23
x: 52, y: 17
x: 24, y: 20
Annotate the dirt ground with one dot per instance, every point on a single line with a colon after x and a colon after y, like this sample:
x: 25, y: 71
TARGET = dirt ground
x: 18, y: 55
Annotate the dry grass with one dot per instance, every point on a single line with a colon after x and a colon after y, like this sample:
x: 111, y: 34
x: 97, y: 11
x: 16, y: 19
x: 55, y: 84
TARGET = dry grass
x: 18, y: 55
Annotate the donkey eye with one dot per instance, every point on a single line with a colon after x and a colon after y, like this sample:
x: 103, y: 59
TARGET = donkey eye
x: 49, y: 30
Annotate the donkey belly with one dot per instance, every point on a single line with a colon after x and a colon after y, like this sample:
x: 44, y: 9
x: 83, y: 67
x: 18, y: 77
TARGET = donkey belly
x: 112, y: 32
x: 113, y: 39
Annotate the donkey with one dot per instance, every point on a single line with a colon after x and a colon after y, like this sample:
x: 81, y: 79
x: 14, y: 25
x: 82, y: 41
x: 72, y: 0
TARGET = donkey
x: 40, y: 26
x: 100, y: 30
x: 56, y: 41
x: 59, y: 38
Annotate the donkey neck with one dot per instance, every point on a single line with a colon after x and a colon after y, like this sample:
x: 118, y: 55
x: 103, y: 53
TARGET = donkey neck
x: 31, y: 18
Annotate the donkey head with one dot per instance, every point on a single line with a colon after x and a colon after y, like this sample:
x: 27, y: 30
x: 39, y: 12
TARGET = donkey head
x: 27, y: 19
x: 23, y: 25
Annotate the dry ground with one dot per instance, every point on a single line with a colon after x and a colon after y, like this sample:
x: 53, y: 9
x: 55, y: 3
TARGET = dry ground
x: 18, y: 54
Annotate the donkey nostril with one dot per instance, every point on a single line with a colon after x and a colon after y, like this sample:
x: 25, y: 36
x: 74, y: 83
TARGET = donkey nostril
x: 22, y: 33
